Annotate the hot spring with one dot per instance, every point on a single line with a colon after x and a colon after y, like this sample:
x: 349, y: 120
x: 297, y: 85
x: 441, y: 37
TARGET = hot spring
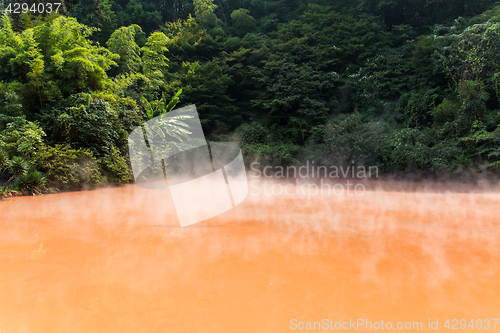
x: 116, y: 260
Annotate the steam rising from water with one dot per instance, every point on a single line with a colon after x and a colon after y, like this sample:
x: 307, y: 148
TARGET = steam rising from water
x: 117, y: 260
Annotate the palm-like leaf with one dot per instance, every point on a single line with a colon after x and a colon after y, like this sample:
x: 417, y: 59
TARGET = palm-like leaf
x: 175, y: 127
x: 173, y: 101
x: 38, y: 180
x: 163, y: 103
x: 17, y: 167
x: 33, y: 181
x: 164, y: 107
x: 149, y: 109
x: 24, y: 181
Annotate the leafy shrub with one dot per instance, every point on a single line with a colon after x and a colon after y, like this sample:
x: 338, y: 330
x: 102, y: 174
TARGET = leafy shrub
x: 17, y: 167
x: 21, y: 138
x: 273, y: 154
x: 473, y: 97
x: 483, y: 145
x: 33, y: 182
x: 352, y: 138
x: 445, y: 112
x: 408, y: 150
x: 253, y: 133
x: 448, y: 154
x: 10, y: 101
x: 258, y: 144
x: 68, y: 167
x: 83, y: 122
x: 115, y: 167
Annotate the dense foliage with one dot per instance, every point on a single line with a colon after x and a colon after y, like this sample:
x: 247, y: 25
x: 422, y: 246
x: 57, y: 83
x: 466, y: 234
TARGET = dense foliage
x: 403, y: 85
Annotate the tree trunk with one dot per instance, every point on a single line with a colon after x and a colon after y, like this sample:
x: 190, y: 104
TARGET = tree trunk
x: 11, y: 178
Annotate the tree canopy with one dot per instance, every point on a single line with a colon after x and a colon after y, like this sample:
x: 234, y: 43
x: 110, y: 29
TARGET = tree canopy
x: 403, y: 85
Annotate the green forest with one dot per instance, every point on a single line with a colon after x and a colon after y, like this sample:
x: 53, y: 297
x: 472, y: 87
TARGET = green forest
x: 409, y: 86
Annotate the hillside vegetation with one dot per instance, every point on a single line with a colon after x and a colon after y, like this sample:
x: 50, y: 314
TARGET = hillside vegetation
x: 408, y: 86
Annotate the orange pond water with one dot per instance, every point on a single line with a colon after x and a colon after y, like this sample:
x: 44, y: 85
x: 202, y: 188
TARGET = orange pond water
x: 115, y: 260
